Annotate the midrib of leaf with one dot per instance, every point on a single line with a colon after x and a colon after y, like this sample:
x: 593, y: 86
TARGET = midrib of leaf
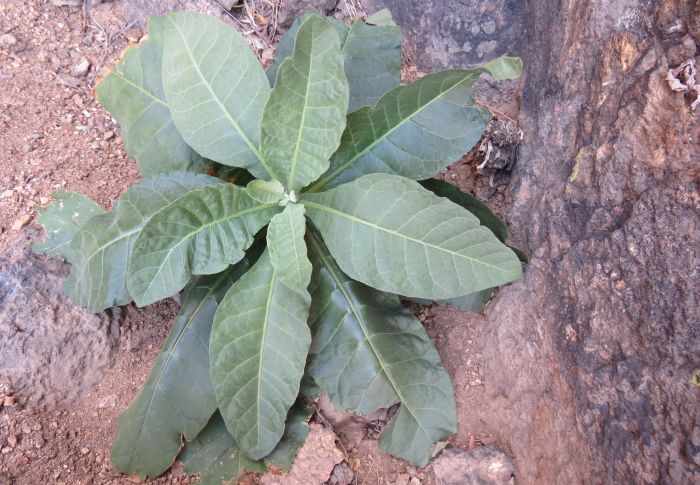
x: 104, y: 246
x: 329, y: 266
x: 245, y: 138
x: 262, y: 353
x: 394, y: 233
x: 295, y: 158
x: 201, y: 228
x: 318, y: 185
x: 179, y: 338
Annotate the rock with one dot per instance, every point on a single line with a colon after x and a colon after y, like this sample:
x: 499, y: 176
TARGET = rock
x: 228, y: 4
x: 108, y: 135
x: 6, y: 194
x: 8, y: 40
x: 84, y: 451
x: 21, y: 222
x: 486, y: 465
x: 44, y: 200
x: 68, y: 80
x: 291, y: 10
x: 81, y: 68
x: 56, y: 351
x: 12, y: 440
x: 456, y: 33
x: 589, y: 357
x: 342, y: 474
x: 9, y: 401
x: 314, y: 462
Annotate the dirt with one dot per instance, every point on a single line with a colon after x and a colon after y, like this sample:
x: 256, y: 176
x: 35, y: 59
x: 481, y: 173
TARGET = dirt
x: 57, y: 421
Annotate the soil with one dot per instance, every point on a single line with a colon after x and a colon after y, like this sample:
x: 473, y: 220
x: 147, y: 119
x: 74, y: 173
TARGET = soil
x: 58, y: 427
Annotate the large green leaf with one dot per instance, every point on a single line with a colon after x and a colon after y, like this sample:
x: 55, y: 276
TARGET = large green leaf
x: 178, y: 398
x: 215, y: 456
x: 469, y: 202
x: 202, y: 232
x: 371, y: 56
x: 305, y: 116
x: 62, y: 220
x: 295, y: 434
x: 102, y: 247
x: 392, y: 234
x: 414, y: 131
x: 216, y: 90
x: 285, y: 240
x: 370, y: 352
x: 258, y: 350
x: 132, y: 92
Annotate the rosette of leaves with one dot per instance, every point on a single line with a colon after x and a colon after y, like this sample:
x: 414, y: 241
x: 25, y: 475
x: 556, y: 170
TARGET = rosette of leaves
x: 289, y: 283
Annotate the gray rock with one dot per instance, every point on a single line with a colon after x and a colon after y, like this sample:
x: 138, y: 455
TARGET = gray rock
x: 450, y: 33
x: 486, y: 465
x: 51, y: 350
x: 290, y: 10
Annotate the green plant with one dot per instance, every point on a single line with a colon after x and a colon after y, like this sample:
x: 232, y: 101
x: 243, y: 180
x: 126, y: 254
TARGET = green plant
x: 269, y: 318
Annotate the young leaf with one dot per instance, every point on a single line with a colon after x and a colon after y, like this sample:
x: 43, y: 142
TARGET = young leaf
x: 265, y: 192
x: 295, y: 433
x: 62, y: 220
x: 216, y: 90
x: 415, y: 130
x: 370, y: 352
x: 215, y: 456
x: 258, y: 349
x: 101, y: 248
x: 305, y: 116
x: 178, y: 398
x: 392, y: 234
x: 132, y: 92
x: 285, y: 241
x: 201, y: 232
x: 469, y: 202
x: 371, y: 56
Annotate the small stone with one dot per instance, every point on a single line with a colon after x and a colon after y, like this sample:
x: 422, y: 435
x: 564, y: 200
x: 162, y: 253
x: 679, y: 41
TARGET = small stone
x: 78, y: 100
x: 68, y: 80
x: 133, y: 34
x: 84, y: 451
x: 9, y: 401
x: 8, y: 40
x: 44, y: 200
x: 6, y: 450
x: 20, y: 223
x: 81, y: 68
x: 108, y: 135
x: 7, y: 194
x: 12, y: 440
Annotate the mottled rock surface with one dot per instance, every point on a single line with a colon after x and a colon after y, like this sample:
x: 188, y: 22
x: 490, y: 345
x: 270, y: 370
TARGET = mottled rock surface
x: 51, y: 350
x: 588, y: 359
x: 486, y: 465
x: 445, y: 33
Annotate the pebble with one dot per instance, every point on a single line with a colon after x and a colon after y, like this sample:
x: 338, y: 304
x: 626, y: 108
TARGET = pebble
x: 19, y: 224
x: 108, y: 135
x: 81, y: 68
x: 9, y: 401
x: 12, y: 440
x: 133, y: 34
x: 8, y: 40
x: 78, y: 100
x: 44, y: 200
x: 7, y: 194
x: 85, y: 451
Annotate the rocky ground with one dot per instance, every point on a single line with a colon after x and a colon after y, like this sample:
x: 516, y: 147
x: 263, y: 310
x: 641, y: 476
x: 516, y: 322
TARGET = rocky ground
x: 68, y: 374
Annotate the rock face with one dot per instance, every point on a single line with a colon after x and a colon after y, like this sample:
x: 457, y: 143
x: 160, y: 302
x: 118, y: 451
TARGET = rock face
x: 587, y: 361
x: 590, y: 356
x: 51, y: 350
x: 443, y: 33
